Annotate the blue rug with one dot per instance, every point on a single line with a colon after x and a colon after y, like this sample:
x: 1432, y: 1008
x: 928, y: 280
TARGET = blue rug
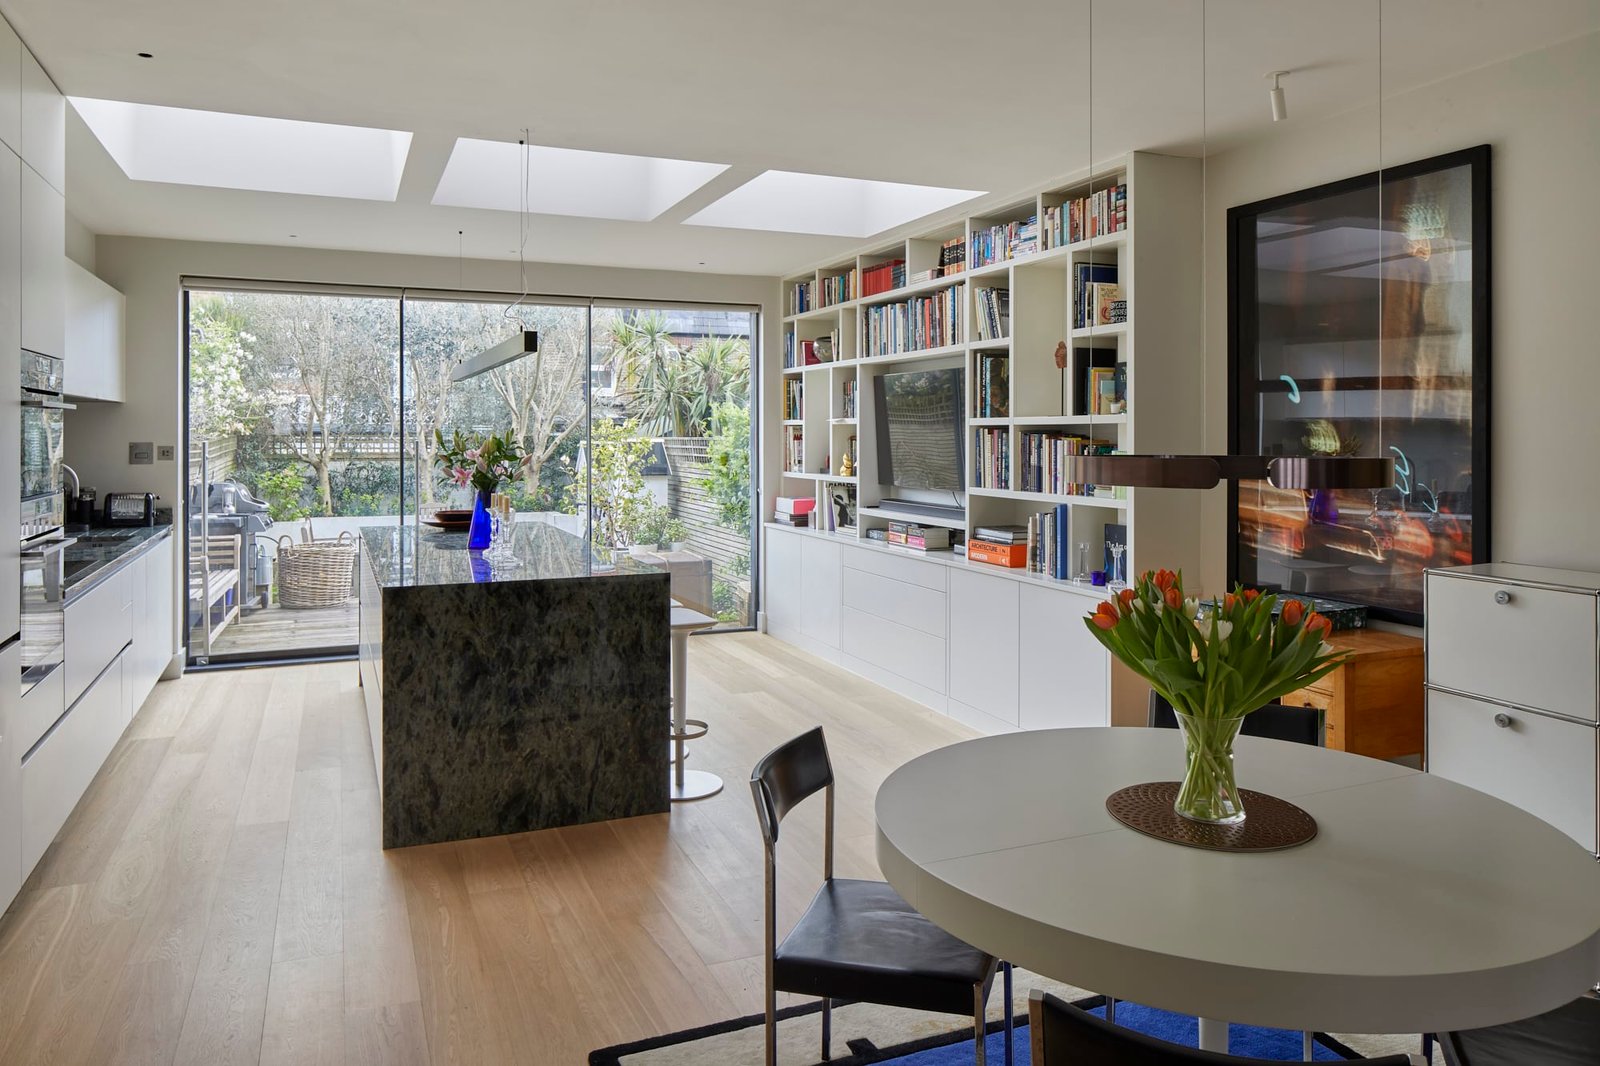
x: 1249, y: 1041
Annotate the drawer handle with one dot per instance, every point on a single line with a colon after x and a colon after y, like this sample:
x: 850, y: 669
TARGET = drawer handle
x: 1502, y: 597
x: 1503, y: 720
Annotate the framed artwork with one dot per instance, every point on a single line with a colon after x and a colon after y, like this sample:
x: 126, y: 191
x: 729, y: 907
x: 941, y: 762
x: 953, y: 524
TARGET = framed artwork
x: 1358, y: 324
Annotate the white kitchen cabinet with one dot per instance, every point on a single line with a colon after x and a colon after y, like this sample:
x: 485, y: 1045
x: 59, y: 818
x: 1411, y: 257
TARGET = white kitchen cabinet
x: 95, y: 328
x: 1065, y: 674
x: 10, y: 87
x: 44, y: 124
x: 782, y: 593
x: 10, y: 785
x: 44, y: 242
x: 153, y: 617
x: 1512, y: 667
x: 10, y: 371
x: 983, y: 643
x: 99, y: 625
x: 819, y: 591
x: 58, y: 771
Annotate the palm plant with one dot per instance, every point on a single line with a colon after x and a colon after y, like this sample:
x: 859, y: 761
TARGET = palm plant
x: 648, y: 365
x: 718, y: 372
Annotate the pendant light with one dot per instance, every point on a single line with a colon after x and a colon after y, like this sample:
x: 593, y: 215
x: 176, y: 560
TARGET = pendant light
x: 1308, y: 473
x: 526, y: 341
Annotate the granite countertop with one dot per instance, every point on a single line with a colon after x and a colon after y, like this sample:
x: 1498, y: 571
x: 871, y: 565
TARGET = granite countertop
x: 407, y: 556
x: 101, y: 552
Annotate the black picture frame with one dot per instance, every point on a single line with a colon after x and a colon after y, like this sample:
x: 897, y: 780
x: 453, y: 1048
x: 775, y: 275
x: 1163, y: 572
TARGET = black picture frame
x: 1245, y: 387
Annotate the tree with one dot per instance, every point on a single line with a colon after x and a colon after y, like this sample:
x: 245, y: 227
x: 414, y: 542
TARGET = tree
x: 717, y: 373
x: 222, y: 401
x: 544, y: 392
x: 614, y: 492
x: 648, y: 366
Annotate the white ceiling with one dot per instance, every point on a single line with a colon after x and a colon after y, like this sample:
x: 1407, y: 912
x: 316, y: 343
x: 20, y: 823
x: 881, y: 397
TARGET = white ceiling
x: 990, y: 95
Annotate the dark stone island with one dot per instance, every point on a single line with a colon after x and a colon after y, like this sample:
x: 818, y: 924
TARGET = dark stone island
x: 507, y: 697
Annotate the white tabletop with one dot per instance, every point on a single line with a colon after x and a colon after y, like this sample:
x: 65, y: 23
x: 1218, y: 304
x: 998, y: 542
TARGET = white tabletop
x: 1422, y: 905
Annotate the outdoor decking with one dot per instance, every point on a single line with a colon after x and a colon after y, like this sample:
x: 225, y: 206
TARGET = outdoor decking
x: 279, y: 629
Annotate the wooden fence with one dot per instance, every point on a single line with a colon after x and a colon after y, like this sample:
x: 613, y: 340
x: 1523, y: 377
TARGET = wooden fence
x: 686, y: 458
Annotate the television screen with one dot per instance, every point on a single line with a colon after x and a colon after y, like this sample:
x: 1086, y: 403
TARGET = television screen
x: 919, y: 429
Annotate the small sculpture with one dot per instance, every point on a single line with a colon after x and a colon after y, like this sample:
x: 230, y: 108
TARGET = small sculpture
x: 846, y: 468
x: 1061, y: 355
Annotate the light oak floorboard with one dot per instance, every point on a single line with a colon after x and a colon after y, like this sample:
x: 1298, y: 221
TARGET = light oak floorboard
x: 221, y: 894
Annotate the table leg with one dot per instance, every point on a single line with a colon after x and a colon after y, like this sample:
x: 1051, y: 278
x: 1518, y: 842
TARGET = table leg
x: 1213, y: 1035
x: 686, y: 784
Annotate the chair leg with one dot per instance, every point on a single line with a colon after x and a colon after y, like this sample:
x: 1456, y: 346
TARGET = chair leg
x: 827, y: 1028
x: 772, y: 1026
x: 1007, y: 978
x: 1111, y: 1010
x: 1427, y: 1047
x: 978, y: 1012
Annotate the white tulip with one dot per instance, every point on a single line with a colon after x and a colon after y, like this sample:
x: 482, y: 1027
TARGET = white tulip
x: 1220, y: 629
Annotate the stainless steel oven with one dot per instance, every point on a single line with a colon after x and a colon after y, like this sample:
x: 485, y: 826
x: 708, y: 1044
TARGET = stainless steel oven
x: 43, y: 407
x: 44, y: 622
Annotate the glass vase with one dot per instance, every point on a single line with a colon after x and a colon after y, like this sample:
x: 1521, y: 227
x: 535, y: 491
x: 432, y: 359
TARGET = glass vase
x: 481, y: 531
x: 1208, y: 792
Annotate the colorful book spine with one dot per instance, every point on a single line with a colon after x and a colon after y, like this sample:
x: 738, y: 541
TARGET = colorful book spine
x: 1012, y: 556
x: 931, y: 321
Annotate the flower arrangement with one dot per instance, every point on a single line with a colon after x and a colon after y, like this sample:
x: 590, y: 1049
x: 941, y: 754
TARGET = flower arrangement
x: 1214, y: 670
x: 481, y: 462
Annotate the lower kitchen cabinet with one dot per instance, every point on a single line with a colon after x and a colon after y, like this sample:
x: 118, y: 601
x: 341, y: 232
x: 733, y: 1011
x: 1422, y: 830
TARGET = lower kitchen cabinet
x: 1064, y: 672
x: 59, y: 769
x: 10, y: 785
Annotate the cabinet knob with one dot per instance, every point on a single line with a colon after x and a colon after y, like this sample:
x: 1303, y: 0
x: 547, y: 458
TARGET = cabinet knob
x: 1502, y: 597
x: 1503, y: 720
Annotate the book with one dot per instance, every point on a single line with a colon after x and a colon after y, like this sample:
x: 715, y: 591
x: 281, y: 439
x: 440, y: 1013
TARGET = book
x: 836, y: 512
x: 929, y: 321
x: 883, y: 277
x: 994, y: 385
x: 794, y: 505
x: 794, y: 455
x: 953, y: 256
x: 1085, y: 277
x: 1012, y: 556
x: 993, y: 313
x: 991, y: 466
x: 792, y: 519
x: 1001, y: 534
x: 1109, y: 306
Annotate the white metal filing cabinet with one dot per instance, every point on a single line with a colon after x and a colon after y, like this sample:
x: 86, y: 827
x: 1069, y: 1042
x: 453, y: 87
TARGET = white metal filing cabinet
x: 1514, y: 688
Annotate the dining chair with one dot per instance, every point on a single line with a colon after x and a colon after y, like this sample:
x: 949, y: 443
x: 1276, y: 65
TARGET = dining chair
x: 1297, y: 725
x: 1060, y: 1034
x: 1566, y: 1036
x: 858, y: 940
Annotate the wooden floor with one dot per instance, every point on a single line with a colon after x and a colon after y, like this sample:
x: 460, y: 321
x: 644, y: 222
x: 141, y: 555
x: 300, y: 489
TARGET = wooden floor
x: 277, y: 629
x: 220, y: 895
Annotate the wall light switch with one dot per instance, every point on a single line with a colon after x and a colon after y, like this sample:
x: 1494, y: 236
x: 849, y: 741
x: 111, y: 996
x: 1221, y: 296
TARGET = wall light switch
x: 141, y: 453
x: 166, y: 453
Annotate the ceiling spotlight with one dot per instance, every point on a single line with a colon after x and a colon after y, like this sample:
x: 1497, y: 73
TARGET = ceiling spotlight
x: 146, y: 55
x: 1280, y: 110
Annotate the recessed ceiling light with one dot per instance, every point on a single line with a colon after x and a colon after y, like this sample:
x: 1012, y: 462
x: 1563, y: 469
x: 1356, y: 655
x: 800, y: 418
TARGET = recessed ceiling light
x: 185, y: 147
x: 567, y: 181
x: 146, y: 55
x: 790, y: 202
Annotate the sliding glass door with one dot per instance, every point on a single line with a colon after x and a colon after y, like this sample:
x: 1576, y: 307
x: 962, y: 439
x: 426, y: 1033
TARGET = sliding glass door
x: 313, y: 413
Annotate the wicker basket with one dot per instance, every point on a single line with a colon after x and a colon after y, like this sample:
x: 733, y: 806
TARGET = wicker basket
x: 318, y: 574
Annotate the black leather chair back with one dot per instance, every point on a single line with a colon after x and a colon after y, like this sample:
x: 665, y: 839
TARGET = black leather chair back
x: 1566, y: 1036
x: 786, y: 776
x: 1063, y: 1035
x: 1298, y: 725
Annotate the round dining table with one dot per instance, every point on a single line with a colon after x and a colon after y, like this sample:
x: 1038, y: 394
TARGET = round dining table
x: 1419, y: 906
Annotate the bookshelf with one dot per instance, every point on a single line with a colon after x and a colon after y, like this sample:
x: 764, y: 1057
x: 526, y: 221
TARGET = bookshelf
x: 1003, y: 288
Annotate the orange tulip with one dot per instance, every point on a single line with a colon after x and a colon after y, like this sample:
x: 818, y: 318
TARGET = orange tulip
x: 1104, y: 621
x: 1174, y: 599
x: 1126, y: 596
x: 1106, y: 607
x: 1320, y: 624
x: 1251, y: 595
x: 1293, y: 612
x: 1229, y: 602
x: 1165, y: 579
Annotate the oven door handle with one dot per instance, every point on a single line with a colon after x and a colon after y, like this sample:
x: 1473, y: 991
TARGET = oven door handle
x: 48, y: 405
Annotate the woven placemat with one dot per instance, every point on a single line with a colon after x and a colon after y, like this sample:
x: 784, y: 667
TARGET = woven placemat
x: 1270, y: 824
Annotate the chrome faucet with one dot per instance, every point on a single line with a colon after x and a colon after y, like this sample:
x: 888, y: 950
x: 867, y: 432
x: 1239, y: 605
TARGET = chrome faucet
x: 77, y: 486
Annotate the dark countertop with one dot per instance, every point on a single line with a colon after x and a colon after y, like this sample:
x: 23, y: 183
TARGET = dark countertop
x: 407, y: 556
x: 101, y: 552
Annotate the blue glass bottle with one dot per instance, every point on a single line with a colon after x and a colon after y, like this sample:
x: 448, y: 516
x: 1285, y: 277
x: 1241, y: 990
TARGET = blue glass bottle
x: 479, y: 535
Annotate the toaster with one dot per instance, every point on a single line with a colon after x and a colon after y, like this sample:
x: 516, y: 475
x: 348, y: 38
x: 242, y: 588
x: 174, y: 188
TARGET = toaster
x: 130, y: 509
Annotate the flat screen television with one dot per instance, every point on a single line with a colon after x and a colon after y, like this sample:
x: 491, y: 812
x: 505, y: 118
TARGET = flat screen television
x: 919, y: 429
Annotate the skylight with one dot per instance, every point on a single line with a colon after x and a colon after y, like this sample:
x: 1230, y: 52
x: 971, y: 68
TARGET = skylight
x: 567, y: 181
x: 789, y: 202
x: 185, y: 147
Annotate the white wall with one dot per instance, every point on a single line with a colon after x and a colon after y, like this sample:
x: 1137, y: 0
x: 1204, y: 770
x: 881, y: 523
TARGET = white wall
x: 148, y: 271
x: 1540, y: 113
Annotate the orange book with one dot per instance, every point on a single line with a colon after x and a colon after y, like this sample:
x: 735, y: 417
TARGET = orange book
x: 1014, y: 556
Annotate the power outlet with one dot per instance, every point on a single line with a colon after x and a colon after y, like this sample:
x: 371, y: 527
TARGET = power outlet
x: 166, y: 452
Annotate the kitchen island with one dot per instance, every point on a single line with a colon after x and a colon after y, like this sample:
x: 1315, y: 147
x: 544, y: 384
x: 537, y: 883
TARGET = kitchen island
x: 509, y: 696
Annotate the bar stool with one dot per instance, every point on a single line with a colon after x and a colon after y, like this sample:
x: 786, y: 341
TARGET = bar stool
x: 686, y: 784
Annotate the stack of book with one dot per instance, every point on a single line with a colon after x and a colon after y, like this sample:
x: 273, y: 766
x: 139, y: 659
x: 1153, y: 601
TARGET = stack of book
x: 1047, y: 543
x: 1044, y: 456
x: 1088, y: 278
x: 999, y: 546
x: 1091, y: 216
x: 794, y: 407
x: 794, y: 451
x: 991, y: 458
x: 920, y: 276
x: 931, y: 321
x: 849, y: 398
x: 919, y: 538
x: 1106, y: 388
x: 883, y: 277
x: 994, y: 385
x: 953, y: 256
x: 802, y: 297
x: 838, y: 288
x: 793, y: 510
x: 836, y: 507
x: 994, y: 313
x: 1008, y: 240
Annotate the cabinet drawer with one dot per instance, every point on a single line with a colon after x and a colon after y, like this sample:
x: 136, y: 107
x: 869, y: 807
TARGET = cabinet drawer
x: 1543, y: 765
x: 99, y: 624
x: 55, y: 776
x: 40, y: 709
x: 911, y: 605
x: 890, y: 646
x: 1537, y: 649
x: 901, y: 568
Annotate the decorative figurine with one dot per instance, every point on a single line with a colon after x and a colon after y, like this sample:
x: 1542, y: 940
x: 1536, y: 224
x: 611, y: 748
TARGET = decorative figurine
x: 846, y: 468
x: 1061, y: 355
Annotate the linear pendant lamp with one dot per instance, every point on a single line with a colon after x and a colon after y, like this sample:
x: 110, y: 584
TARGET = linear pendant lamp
x: 525, y: 342
x: 1306, y: 472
